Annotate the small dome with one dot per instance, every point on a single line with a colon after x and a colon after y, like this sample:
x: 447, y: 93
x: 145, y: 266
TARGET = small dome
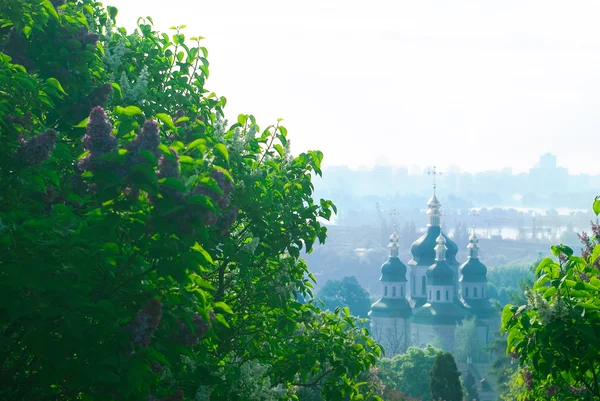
x: 440, y: 274
x: 473, y: 271
x: 433, y: 202
x: 393, y: 271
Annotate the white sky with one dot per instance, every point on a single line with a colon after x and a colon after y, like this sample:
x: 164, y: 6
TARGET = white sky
x: 482, y: 84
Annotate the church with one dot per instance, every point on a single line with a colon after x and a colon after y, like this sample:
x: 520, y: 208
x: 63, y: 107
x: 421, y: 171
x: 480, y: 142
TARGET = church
x: 424, y: 303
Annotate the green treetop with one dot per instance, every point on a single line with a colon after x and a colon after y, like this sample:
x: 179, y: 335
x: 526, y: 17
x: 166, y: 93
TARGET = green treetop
x: 445, y: 379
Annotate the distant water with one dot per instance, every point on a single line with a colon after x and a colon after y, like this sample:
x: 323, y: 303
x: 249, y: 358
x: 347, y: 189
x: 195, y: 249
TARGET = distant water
x: 562, y: 211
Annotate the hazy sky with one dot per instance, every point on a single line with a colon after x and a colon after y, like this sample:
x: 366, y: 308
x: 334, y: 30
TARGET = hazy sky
x: 482, y: 84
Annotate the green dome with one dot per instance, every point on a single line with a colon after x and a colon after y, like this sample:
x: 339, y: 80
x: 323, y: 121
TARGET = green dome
x: 423, y: 249
x: 393, y: 271
x: 473, y: 271
x: 440, y: 273
x: 390, y: 308
x: 440, y: 313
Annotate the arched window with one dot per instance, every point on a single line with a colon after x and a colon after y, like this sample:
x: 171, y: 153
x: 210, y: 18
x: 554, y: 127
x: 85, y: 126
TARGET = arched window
x: 447, y: 296
x: 475, y: 292
x: 423, y: 285
x: 430, y: 295
x: 394, y: 291
x: 466, y: 292
x: 385, y: 291
x: 437, y: 295
x: 402, y: 290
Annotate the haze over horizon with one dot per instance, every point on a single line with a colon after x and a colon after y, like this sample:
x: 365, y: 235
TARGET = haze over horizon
x: 483, y: 85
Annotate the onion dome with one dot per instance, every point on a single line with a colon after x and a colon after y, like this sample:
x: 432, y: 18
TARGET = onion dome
x: 473, y: 271
x: 393, y: 276
x: 422, y: 250
x: 393, y: 270
x: 440, y: 273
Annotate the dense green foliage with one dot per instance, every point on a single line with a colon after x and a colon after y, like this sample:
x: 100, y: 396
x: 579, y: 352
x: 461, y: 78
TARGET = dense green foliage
x: 346, y: 292
x: 555, y: 334
x: 445, y: 378
x: 409, y: 373
x: 149, y: 250
x: 471, y: 387
x: 467, y: 344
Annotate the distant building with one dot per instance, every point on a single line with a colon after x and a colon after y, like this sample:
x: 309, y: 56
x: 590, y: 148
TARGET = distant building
x: 424, y: 303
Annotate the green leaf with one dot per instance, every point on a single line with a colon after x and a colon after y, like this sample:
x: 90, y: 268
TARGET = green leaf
x: 595, y: 253
x: 112, y: 12
x: 201, y: 200
x: 221, y: 319
x: 198, y: 248
x: 222, y: 306
x: 53, y: 82
x: 197, y: 143
x: 149, y: 156
x: 561, y: 249
x: 82, y: 124
x: 219, y: 147
x: 596, y: 206
x: 173, y: 182
x: 50, y: 9
x: 117, y: 88
x: 129, y: 111
x: 186, y: 159
x: 166, y: 119
x: 279, y: 149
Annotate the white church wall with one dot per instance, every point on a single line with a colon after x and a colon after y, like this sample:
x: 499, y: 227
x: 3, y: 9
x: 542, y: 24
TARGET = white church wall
x: 392, y: 333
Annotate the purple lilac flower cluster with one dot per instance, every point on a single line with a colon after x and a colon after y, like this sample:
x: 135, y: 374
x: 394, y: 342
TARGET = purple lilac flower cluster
x: 551, y: 390
x: 527, y: 378
x: 168, y: 167
x: 98, y: 140
x: 87, y: 38
x: 38, y: 149
x: 148, y: 140
x: 58, y: 3
x: 185, y: 336
x: 145, y: 323
x: 207, y: 217
x: 15, y: 46
x: 25, y: 121
x: 577, y: 390
x: 589, y: 243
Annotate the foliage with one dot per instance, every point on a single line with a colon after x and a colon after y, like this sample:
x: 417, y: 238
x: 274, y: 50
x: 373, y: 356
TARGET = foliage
x: 555, y: 334
x: 467, y: 343
x: 148, y: 249
x: 346, y: 292
x: 445, y: 378
x: 408, y: 373
x: 471, y: 387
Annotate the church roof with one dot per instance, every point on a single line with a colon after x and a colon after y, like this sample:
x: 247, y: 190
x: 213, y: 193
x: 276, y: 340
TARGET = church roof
x: 391, y: 307
x: 440, y: 273
x: 473, y: 271
x: 393, y: 270
x: 423, y: 249
x: 440, y: 313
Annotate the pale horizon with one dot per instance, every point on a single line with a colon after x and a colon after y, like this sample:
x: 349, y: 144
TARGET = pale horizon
x: 481, y: 85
